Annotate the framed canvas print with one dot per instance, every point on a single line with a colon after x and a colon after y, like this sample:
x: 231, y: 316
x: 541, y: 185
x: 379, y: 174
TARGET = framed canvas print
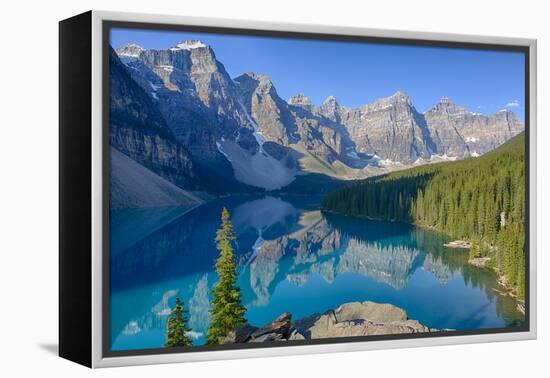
x: 233, y: 189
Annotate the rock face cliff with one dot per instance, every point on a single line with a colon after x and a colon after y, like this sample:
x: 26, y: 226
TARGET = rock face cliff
x: 295, y: 123
x: 138, y: 130
x: 270, y: 112
x: 460, y: 133
x: 193, y: 92
x: 390, y: 128
x: 349, y: 319
x: 241, y: 129
x: 203, y: 107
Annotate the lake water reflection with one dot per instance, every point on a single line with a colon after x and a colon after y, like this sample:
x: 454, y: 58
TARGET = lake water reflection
x: 290, y: 257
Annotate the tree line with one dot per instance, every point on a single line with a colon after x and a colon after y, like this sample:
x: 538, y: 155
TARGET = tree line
x: 227, y: 312
x: 478, y: 199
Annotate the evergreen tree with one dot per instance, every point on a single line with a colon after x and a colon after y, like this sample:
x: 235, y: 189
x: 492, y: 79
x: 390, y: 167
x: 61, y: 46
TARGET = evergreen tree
x: 481, y: 199
x: 175, y: 327
x: 227, y: 311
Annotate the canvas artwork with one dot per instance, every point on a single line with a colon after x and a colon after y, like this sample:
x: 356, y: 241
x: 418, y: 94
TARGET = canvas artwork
x: 284, y: 189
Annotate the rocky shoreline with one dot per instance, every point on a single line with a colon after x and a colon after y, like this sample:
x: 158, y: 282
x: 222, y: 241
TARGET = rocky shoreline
x: 349, y: 319
x: 481, y: 262
x: 459, y: 244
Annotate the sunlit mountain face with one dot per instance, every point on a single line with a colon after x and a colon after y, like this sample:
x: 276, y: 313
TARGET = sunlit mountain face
x: 241, y: 130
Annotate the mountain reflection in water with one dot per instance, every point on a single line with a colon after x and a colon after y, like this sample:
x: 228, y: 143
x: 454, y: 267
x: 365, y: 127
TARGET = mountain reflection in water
x: 291, y: 257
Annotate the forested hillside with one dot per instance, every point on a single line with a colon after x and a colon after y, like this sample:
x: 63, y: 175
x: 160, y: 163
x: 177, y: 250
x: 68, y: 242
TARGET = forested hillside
x: 479, y: 199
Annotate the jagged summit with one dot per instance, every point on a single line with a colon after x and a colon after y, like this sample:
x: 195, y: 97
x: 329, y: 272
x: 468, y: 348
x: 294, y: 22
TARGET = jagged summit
x: 330, y: 100
x: 445, y: 100
x: 247, y: 110
x: 131, y: 50
x: 252, y: 82
x: 447, y: 106
x: 400, y: 95
x: 132, y: 45
x: 506, y: 114
x: 189, y: 45
x: 300, y: 100
x: 330, y: 109
x: 398, y: 99
x: 254, y: 76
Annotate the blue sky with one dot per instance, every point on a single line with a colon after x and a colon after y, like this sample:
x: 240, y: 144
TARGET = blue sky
x: 357, y: 73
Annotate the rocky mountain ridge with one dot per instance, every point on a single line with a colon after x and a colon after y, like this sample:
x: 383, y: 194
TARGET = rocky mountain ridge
x: 138, y: 130
x: 267, y: 142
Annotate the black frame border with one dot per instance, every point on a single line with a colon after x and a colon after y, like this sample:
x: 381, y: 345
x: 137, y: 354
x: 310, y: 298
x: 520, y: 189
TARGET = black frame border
x: 75, y: 189
x: 107, y: 25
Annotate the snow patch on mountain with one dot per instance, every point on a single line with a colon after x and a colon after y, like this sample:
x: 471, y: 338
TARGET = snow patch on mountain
x: 257, y: 134
x: 444, y: 157
x: 132, y: 50
x: 219, y: 146
x: 352, y: 154
x: 167, y: 68
x: 260, y: 170
x: 377, y: 161
x: 188, y: 45
x: 155, y: 87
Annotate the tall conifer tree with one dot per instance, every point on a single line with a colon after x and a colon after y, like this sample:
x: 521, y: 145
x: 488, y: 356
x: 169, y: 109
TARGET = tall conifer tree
x: 481, y: 200
x: 175, y: 327
x: 227, y: 310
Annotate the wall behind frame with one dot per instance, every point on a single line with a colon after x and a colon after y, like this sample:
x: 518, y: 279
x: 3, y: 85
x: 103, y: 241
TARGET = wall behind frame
x: 29, y: 269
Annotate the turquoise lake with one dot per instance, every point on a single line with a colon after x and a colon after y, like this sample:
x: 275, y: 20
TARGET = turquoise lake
x: 290, y: 257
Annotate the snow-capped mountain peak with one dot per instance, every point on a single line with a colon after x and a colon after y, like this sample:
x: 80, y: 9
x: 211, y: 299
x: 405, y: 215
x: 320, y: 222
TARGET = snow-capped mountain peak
x: 131, y: 50
x: 189, y: 45
x: 445, y: 100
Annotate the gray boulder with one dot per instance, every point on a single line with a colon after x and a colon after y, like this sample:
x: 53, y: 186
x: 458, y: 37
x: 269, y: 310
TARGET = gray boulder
x: 277, y: 329
x: 240, y: 334
x: 377, y: 312
x: 358, y: 319
x: 349, y: 319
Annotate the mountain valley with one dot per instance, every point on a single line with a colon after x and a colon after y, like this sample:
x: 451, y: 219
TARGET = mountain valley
x: 178, y: 113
